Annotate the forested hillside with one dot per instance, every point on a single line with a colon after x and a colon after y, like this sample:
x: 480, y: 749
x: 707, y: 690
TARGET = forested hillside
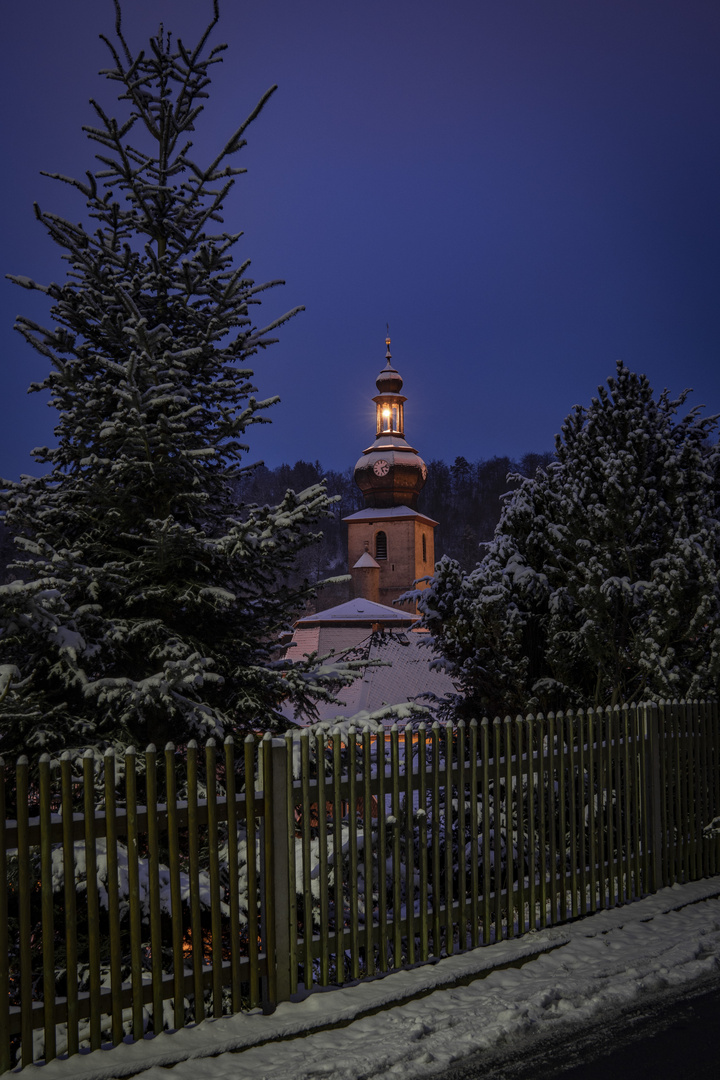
x: 464, y: 498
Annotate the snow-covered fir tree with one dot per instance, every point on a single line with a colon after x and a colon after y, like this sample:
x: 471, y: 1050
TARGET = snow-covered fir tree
x: 602, y: 583
x: 147, y: 604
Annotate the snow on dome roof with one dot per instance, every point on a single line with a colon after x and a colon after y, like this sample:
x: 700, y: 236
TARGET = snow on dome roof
x: 389, y: 381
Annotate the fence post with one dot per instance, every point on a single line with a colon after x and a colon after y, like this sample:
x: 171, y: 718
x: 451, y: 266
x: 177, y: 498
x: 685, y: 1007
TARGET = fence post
x: 275, y: 863
x: 654, y: 796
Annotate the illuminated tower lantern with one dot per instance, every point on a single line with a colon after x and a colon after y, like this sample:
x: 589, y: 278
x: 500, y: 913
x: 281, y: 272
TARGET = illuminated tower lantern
x: 390, y: 544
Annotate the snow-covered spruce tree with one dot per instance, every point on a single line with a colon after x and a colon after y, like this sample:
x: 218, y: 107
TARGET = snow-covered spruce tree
x: 602, y: 583
x: 147, y: 604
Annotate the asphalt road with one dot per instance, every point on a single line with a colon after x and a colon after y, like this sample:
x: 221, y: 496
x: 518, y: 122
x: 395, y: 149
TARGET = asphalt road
x: 670, y: 1038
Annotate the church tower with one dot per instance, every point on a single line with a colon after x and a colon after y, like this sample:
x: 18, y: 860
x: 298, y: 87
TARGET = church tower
x: 390, y: 544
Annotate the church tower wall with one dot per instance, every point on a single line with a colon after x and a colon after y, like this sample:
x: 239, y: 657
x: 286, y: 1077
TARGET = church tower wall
x: 389, y: 531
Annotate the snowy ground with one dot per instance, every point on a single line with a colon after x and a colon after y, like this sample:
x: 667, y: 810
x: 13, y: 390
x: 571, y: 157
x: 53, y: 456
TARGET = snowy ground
x: 571, y: 974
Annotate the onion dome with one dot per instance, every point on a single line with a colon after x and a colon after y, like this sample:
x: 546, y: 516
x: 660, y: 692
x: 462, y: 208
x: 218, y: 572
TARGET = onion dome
x: 390, y: 472
x: 389, y: 381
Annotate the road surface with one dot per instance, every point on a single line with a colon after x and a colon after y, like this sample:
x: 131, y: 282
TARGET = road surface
x: 669, y: 1038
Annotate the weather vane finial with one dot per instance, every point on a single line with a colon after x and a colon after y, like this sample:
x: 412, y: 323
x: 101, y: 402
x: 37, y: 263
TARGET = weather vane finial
x: 387, y: 341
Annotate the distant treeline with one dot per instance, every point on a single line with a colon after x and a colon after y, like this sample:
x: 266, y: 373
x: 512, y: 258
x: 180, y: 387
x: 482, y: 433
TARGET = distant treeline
x: 465, y: 498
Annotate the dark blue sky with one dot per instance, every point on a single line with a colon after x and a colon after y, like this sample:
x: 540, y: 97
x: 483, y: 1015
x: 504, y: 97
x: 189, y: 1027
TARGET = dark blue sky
x: 527, y: 190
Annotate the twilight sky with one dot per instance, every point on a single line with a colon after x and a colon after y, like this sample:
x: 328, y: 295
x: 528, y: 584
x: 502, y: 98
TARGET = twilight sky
x: 526, y: 190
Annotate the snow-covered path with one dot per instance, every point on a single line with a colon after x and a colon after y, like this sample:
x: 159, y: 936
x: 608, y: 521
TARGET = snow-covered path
x: 572, y: 974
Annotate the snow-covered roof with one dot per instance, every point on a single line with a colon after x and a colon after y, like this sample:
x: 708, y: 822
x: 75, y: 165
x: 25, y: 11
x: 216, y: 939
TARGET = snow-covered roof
x: 359, y: 610
x: 366, y: 559
x: 402, y: 675
x: 325, y: 639
x: 377, y: 513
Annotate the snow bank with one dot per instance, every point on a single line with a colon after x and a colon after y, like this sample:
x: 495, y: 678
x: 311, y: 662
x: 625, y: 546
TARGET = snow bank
x: 576, y: 972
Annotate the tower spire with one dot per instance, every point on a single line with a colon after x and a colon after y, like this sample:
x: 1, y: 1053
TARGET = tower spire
x: 390, y: 472
x: 390, y: 544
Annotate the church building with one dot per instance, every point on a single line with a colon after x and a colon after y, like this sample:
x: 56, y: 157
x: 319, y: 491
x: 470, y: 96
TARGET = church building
x: 390, y: 545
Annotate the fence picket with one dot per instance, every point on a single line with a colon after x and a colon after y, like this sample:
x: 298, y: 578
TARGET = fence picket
x: 486, y: 887
x: 290, y: 739
x: 250, y: 749
x: 473, y: 803
x: 696, y: 809
x: 597, y: 846
x: 409, y: 844
x: 541, y: 738
x: 93, y: 905
x: 196, y: 938
x: 367, y: 853
x: 448, y: 834
x: 636, y: 759
x: 353, y: 856
x: 24, y: 905
x: 306, y: 864
x: 435, y: 749
x: 520, y: 804
x: 497, y: 827
x: 268, y: 873
x: 175, y: 895
x: 561, y: 805
x: 395, y: 833
x: 621, y: 807
x: 461, y: 868
x: 322, y: 859
x: 422, y: 842
x: 4, y: 942
x: 704, y: 760
x: 70, y: 899
x: 111, y: 851
x: 582, y: 807
x: 382, y: 853
x: 47, y: 909
x: 531, y: 826
x: 626, y: 807
x: 571, y: 729
x: 136, y: 970
x: 151, y: 797
x: 337, y: 868
x: 552, y: 815
x: 713, y: 760
x: 509, y: 830
x: 214, y: 875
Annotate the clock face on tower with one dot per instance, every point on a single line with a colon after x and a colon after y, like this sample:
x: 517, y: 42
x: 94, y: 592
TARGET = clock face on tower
x: 381, y: 467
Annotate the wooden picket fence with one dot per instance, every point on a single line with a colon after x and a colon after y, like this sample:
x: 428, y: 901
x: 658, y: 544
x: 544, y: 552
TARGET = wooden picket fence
x: 166, y: 920
x: 344, y: 856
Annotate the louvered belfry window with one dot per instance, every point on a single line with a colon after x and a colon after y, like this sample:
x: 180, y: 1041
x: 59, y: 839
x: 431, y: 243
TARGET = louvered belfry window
x: 381, y: 546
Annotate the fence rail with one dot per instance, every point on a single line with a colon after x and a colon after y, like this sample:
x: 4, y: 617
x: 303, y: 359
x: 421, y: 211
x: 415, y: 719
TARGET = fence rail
x: 148, y: 892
